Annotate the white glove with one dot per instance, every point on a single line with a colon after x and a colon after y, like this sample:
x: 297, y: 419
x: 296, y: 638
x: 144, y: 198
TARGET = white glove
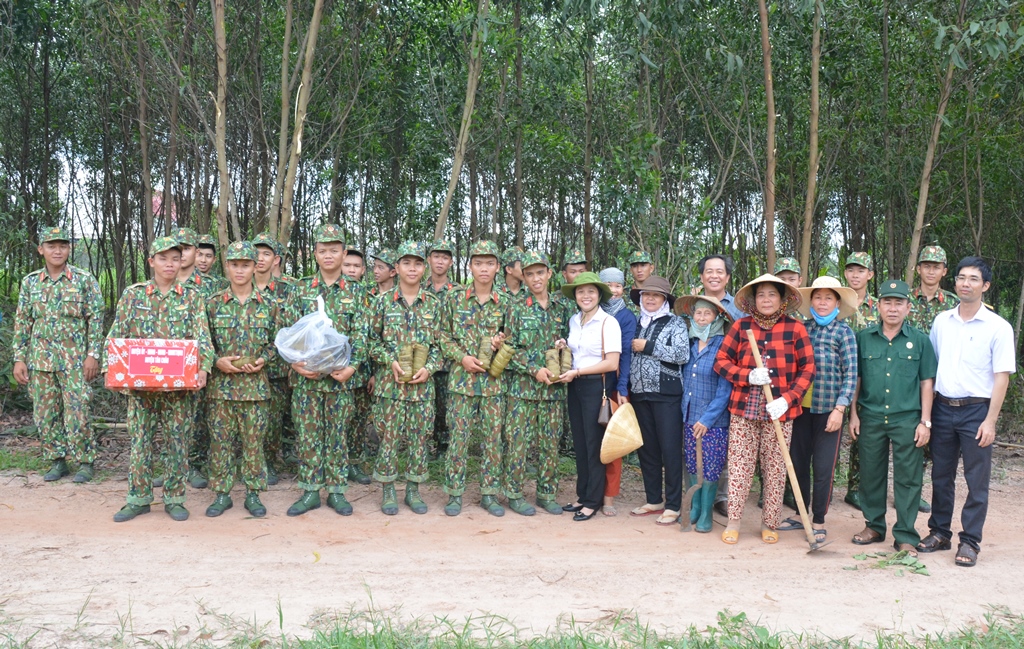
x: 759, y: 376
x: 777, y: 408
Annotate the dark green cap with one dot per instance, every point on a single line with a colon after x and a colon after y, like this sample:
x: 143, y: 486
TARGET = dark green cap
x: 484, y: 248
x: 894, y: 288
x: 264, y: 239
x: 206, y: 240
x: 932, y: 253
x: 329, y: 233
x: 787, y: 263
x: 859, y: 259
x: 387, y: 255
x: 163, y: 244
x: 186, y: 236
x: 412, y: 249
x: 54, y: 234
x: 575, y: 256
x: 639, y: 257
x: 535, y: 258
x: 511, y: 256
x: 444, y: 245
x: 241, y: 250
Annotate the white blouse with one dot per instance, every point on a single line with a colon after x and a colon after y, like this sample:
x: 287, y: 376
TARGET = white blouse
x: 585, y: 340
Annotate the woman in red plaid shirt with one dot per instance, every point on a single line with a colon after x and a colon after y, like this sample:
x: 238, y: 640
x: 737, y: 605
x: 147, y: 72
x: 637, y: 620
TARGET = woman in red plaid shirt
x: 789, y: 369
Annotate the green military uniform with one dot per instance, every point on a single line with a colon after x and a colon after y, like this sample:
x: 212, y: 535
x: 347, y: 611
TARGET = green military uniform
x: 322, y: 408
x: 534, y: 412
x: 636, y: 257
x: 475, y: 399
x: 866, y: 316
x: 922, y: 309
x: 889, y: 407
x: 238, y: 401
x: 59, y: 322
x: 441, y: 377
x: 207, y: 241
x: 144, y: 312
x: 512, y: 255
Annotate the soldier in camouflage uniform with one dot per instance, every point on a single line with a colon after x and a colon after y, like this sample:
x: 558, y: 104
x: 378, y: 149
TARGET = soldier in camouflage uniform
x: 206, y: 254
x: 534, y: 412
x: 161, y: 308
x: 243, y: 324
x: 403, y: 412
x: 439, y: 259
x: 858, y: 273
x: 322, y: 405
x: 354, y: 266
x: 475, y: 398
x: 58, y: 334
x: 575, y: 263
x: 641, y: 267
x: 513, y: 287
x: 788, y: 270
x: 383, y: 271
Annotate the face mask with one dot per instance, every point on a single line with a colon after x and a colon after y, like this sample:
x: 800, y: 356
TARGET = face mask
x: 825, y: 320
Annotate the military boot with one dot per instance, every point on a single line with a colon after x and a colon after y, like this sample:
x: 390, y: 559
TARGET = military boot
x: 412, y: 498
x: 550, y: 506
x: 220, y: 504
x: 57, y: 471
x: 339, y: 504
x: 176, y: 512
x: 272, y: 478
x: 85, y: 473
x: 253, y: 504
x: 924, y: 507
x: 197, y: 479
x: 128, y: 512
x: 520, y: 506
x: 355, y: 474
x: 490, y: 503
x: 309, y: 500
x: 852, y: 499
x: 454, y: 506
x: 158, y: 483
x: 389, y: 502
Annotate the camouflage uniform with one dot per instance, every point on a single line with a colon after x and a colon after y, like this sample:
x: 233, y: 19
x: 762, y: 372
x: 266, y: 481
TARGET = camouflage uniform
x: 322, y: 408
x: 441, y: 376
x: 144, y: 312
x: 238, y: 402
x: 636, y: 257
x: 58, y: 323
x: 512, y: 255
x: 866, y: 315
x: 475, y: 400
x: 535, y: 414
x: 922, y: 309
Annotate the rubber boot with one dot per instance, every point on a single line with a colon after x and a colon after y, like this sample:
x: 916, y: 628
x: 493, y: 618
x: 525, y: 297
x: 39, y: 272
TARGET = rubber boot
x: 520, y: 506
x: 128, y: 512
x: 490, y: 503
x: 197, y: 480
x: 85, y: 473
x: 695, y: 504
x: 412, y: 498
x: 57, y: 471
x: 707, y: 506
x: 852, y: 499
x: 389, y: 502
x: 550, y: 506
x: 176, y: 512
x: 253, y: 504
x: 220, y: 504
x: 454, y: 506
x: 309, y: 500
x: 355, y: 474
x: 339, y: 504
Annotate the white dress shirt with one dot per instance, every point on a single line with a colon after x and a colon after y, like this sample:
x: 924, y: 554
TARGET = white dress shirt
x: 585, y: 340
x: 971, y: 353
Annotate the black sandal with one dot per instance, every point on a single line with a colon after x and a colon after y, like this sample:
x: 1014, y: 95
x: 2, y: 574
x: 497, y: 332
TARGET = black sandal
x: 966, y: 556
x: 934, y: 543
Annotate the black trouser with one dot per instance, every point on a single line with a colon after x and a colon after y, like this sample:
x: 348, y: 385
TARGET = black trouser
x: 814, y: 449
x: 661, y: 425
x: 584, y: 404
x: 953, y: 434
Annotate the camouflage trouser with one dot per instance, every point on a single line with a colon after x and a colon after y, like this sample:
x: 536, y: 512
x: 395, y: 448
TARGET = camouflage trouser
x: 60, y: 410
x: 278, y: 419
x: 234, y: 423
x: 358, y: 441
x: 537, y: 424
x: 199, y: 442
x: 853, y: 477
x: 474, y: 416
x: 173, y: 412
x: 440, y: 410
x: 401, y: 423
x: 320, y: 444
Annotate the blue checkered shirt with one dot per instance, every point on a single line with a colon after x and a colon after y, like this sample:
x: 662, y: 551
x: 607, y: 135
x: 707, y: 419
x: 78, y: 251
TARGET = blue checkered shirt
x: 835, y: 364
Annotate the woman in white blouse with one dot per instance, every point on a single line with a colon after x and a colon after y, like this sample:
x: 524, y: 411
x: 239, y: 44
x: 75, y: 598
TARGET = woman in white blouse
x: 595, y: 342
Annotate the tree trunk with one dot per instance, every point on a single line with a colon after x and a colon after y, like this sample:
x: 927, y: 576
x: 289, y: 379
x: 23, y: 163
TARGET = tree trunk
x: 518, y: 170
x: 147, y: 182
x: 224, y: 182
x: 472, y: 79
x: 812, y: 158
x: 769, y: 172
x: 588, y: 154
x: 282, y: 140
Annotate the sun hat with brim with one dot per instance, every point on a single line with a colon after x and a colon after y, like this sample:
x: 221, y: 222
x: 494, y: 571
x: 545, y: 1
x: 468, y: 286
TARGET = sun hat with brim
x: 621, y: 436
x: 746, y: 294
x: 569, y: 290
x: 848, y: 300
x: 686, y: 304
x: 654, y: 284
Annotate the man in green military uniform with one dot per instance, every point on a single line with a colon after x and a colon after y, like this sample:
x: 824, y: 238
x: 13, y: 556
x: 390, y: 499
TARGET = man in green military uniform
x: 354, y: 266
x: 440, y: 259
x: 858, y: 273
x: 243, y: 324
x: 892, y: 408
x: 322, y: 405
x: 383, y: 271
x: 513, y: 286
x: 161, y: 308
x: 471, y: 317
x: 190, y: 276
x: 641, y: 267
x: 58, y: 337
x: 788, y: 270
x: 535, y: 399
x: 575, y: 263
x: 206, y: 254
x: 403, y: 410
x: 929, y: 298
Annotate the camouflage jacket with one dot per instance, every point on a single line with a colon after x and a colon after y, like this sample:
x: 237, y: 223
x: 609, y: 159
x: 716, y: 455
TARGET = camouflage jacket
x: 532, y: 331
x: 394, y: 323
x: 923, y: 310
x: 866, y: 315
x: 464, y: 321
x: 58, y: 322
x: 207, y: 285
x: 278, y: 291
x: 242, y: 330
x: 440, y: 294
x: 144, y: 312
x: 346, y: 306
x: 513, y: 297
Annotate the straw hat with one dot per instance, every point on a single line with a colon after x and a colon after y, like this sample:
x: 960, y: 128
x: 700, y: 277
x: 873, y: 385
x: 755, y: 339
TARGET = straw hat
x: 621, y: 436
x: 746, y: 294
x: 848, y: 300
x: 654, y: 284
x: 685, y: 305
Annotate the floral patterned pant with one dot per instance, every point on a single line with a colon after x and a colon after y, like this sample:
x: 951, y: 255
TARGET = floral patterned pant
x: 750, y: 440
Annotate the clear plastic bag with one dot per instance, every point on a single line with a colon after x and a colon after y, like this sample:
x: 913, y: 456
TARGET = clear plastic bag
x: 314, y: 341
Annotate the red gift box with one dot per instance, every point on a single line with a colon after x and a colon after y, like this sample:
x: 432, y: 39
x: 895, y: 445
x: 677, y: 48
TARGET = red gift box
x: 152, y: 364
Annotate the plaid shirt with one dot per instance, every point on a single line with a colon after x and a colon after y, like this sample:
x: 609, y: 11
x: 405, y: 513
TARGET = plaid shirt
x: 835, y: 365
x: 787, y: 353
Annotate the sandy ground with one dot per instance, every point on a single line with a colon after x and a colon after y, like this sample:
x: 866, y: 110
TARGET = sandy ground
x: 65, y: 563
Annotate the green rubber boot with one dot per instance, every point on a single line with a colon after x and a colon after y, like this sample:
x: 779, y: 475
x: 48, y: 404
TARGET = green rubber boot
x: 520, y: 506
x: 339, y: 504
x: 253, y: 504
x: 128, y: 512
x: 389, y: 502
x: 272, y: 478
x: 57, y: 471
x: 176, y: 512
x: 197, y: 480
x: 220, y: 504
x: 550, y: 506
x: 695, y: 504
x: 412, y: 498
x: 310, y: 500
x: 85, y: 473
x: 355, y: 474
x: 490, y: 503
x: 454, y: 506
x: 707, y: 506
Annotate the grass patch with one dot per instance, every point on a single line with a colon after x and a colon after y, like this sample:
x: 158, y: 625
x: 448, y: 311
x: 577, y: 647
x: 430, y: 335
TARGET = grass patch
x: 22, y: 459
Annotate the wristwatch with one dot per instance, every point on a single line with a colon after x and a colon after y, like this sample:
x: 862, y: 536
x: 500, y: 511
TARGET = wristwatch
x: 927, y: 424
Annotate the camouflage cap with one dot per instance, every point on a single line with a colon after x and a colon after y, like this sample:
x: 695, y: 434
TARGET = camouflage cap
x: 894, y: 288
x: 186, y: 236
x: 241, y: 250
x: 412, y: 249
x: 443, y: 245
x: 511, y: 256
x: 575, y: 256
x: 932, y: 253
x: 329, y: 233
x: 484, y: 248
x: 787, y: 263
x: 535, y: 258
x: 859, y: 259
x: 387, y: 255
x: 206, y: 240
x: 639, y: 257
x: 264, y: 239
x: 54, y: 234
x: 163, y: 244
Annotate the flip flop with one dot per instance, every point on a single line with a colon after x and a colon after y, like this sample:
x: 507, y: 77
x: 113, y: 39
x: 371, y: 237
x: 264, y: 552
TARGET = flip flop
x: 770, y: 536
x: 820, y: 535
x: 647, y: 510
x: 790, y: 524
x: 609, y: 510
x: 668, y: 517
x: 730, y: 536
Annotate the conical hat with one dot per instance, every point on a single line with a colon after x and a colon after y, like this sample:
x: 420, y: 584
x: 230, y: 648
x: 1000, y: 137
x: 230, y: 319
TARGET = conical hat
x: 848, y: 300
x: 621, y: 436
x: 745, y: 295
